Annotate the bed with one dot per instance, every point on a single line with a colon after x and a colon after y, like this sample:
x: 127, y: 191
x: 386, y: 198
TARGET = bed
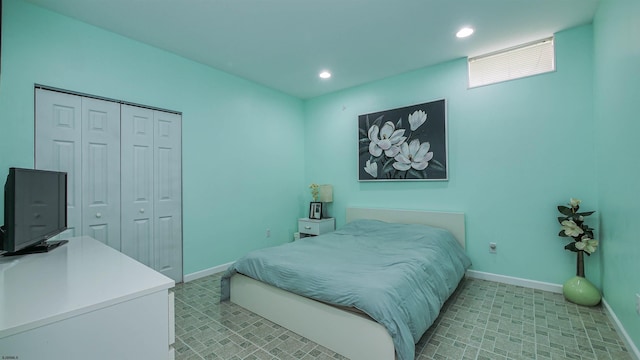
x: 349, y: 328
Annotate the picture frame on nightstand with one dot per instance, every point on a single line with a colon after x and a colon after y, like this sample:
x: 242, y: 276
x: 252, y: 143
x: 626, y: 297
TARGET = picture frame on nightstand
x: 315, y: 210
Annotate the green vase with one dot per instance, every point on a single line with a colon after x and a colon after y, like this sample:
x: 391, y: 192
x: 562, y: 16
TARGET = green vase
x: 581, y: 291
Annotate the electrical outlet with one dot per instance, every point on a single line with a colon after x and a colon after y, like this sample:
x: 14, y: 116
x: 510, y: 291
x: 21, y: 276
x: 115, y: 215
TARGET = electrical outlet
x: 638, y: 304
x: 268, y: 232
x: 493, y: 248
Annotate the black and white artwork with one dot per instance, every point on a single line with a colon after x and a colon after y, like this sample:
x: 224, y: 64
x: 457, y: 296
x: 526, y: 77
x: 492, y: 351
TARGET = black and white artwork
x: 315, y: 210
x: 404, y: 144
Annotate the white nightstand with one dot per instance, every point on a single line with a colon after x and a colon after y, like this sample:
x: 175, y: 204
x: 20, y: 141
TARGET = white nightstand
x: 313, y: 227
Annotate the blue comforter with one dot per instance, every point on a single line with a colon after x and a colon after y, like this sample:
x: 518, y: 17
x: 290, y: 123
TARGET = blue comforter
x: 399, y: 275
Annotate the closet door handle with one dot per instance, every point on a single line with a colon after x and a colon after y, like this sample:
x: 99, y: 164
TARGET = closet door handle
x: 141, y: 210
x: 98, y: 215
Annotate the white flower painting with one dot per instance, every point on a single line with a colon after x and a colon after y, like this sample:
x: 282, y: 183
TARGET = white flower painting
x: 403, y: 144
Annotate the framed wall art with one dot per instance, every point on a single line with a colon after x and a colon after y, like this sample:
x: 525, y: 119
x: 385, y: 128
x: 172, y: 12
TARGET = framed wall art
x: 404, y: 144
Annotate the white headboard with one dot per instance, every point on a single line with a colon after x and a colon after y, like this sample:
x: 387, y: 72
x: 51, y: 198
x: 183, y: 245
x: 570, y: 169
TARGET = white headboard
x: 454, y: 222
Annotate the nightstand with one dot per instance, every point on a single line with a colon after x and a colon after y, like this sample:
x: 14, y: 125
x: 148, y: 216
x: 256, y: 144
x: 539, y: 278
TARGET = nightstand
x: 313, y: 227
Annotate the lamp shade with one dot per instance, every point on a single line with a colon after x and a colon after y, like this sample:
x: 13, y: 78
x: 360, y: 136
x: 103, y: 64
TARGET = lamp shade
x: 326, y: 193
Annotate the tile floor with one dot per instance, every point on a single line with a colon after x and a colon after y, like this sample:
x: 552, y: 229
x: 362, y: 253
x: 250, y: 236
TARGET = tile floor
x: 483, y: 320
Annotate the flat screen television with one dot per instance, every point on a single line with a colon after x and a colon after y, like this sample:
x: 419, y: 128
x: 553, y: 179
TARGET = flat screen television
x: 35, y: 209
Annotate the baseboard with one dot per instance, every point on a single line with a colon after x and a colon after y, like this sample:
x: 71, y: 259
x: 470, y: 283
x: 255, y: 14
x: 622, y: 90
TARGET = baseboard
x: 532, y: 284
x: 206, y: 272
x: 631, y: 347
x: 556, y: 288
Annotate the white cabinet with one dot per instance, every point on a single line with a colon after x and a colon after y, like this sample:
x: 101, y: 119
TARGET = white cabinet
x: 124, y: 173
x: 84, y: 300
x: 313, y: 227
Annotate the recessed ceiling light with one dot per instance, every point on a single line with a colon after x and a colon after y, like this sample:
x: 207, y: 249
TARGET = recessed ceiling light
x: 324, y: 74
x: 464, y: 32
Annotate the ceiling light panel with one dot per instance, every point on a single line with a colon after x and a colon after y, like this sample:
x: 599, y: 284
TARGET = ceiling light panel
x: 324, y: 74
x: 464, y: 32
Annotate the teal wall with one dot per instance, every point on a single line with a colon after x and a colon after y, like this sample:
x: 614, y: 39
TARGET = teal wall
x: 242, y: 143
x: 617, y: 125
x: 516, y: 150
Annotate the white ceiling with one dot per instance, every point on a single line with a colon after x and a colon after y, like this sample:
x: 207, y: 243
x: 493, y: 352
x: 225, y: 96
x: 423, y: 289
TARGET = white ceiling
x: 284, y: 44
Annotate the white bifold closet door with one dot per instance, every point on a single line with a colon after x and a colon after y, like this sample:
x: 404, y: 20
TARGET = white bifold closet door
x: 101, y: 171
x: 124, y: 173
x: 81, y: 136
x: 152, y: 189
x: 58, y: 147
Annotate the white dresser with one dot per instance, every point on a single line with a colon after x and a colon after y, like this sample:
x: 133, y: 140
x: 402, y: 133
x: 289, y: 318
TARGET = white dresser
x: 84, y: 300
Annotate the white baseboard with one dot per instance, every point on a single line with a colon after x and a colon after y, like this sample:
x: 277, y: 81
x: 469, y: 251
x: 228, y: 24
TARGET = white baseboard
x: 532, y: 284
x: 206, y: 272
x: 556, y: 288
x: 631, y: 347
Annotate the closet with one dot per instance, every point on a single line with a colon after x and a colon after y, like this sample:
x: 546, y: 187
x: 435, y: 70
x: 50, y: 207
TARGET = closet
x: 124, y: 173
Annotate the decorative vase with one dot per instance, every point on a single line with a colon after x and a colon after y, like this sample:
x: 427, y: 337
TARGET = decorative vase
x: 581, y: 291
x: 580, y: 264
x: 578, y: 289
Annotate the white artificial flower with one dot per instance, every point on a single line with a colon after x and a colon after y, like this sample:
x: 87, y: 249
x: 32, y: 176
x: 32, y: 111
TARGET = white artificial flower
x: 414, y: 155
x: 387, y: 139
x: 416, y: 119
x: 571, y: 228
x: 587, y: 244
x: 371, y: 168
x: 574, y: 202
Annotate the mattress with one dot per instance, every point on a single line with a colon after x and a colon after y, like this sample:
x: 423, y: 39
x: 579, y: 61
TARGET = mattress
x: 399, y: 275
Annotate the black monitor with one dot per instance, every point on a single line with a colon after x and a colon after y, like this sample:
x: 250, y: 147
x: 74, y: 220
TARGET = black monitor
x: 35, y: 209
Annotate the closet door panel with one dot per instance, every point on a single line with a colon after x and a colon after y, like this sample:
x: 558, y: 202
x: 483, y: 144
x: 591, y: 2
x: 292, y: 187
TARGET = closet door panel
x: 101, y: 170
x: 125, y: 173
x: 168, y: 194
x: 137, y: 183
x: 58, y: 147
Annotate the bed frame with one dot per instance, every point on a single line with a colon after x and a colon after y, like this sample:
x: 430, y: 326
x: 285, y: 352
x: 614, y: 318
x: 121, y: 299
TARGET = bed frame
x: 355, y: 336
